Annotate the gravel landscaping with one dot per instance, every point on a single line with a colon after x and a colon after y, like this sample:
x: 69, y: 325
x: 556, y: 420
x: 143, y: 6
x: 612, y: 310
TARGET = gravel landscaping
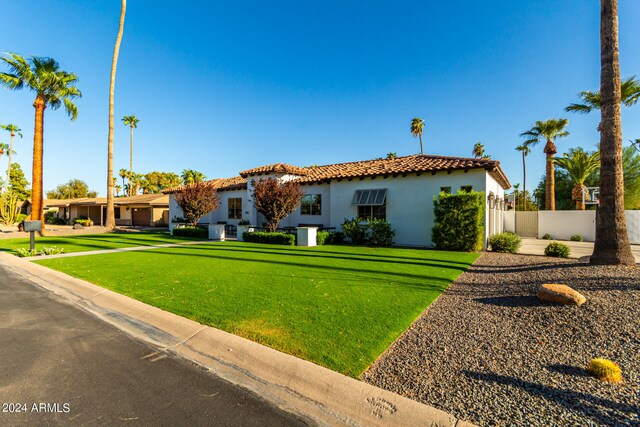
x: 488, y: 351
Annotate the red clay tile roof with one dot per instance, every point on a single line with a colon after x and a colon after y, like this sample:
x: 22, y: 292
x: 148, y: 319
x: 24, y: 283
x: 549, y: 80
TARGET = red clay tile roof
x: 365, y: 168
x: 403, y: 165
x: 277, y: 168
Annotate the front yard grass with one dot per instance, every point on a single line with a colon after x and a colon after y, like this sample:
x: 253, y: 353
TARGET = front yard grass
x: 337, y: 306
x: 94, y: 242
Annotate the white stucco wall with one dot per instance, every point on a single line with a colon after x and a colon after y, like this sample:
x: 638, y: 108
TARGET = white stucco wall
x: 409, y: 201
x: 174, y: 210
x: 324, y: 218
x: 633, y: 226
x: 562, y: 225
x: 222, y: 213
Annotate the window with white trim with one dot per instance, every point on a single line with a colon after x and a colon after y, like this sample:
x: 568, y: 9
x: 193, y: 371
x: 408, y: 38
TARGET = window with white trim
x: 311, y: 204
x: 235, y: 207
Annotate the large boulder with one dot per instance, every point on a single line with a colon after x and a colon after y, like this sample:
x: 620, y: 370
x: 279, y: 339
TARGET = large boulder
x: 562, y: 294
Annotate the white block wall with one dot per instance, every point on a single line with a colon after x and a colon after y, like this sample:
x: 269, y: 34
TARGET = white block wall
x: 564, y: 224
x: 633, y: 226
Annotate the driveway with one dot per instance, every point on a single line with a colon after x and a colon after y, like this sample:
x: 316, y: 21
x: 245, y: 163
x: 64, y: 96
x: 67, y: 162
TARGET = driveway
x: 578, y: 249
x: 64, y: 366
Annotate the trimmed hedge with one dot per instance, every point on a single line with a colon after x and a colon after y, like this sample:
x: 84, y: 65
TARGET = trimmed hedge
x: 83, y: 222
x: 505, y: 242
x: 275, y: 238
x: 459, y: 221
x: 558, y: 250
x: 191, y: 232
x: 329, y: 238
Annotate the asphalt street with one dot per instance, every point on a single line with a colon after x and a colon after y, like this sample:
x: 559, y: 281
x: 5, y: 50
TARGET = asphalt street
x: 60, y: 365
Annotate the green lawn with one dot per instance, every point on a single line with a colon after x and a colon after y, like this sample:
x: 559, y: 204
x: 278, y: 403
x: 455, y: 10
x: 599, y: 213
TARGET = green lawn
x: 338, y: 306
x: 94, y: 242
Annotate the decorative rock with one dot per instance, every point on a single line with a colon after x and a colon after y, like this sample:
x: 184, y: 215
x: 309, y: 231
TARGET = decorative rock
x: 77, y: 226
x: 560, y: 293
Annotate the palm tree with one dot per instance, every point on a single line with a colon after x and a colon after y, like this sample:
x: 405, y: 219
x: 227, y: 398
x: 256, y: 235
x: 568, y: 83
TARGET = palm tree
x: 53, y: 88
x: 612, y: 241
x: 123, y: 173
x: 636, y: 144
x: 417, y: 127
x: 132, y: 122
x: 629, y: 96
x: 548, y: 130
x: 579, y: 165
x: 392, y: 155
x: 478, y: 150
x: 525, y: 150
x: 13, y: 131
x: 190, y: 176
x: 110, y: 221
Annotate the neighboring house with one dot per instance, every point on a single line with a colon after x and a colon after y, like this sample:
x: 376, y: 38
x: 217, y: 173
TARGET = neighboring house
x: 144, y: 210
x: 400, y: 190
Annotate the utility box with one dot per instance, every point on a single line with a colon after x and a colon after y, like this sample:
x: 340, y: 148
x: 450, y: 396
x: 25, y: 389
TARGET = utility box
x: 307, y: 236
x: 34, y: 225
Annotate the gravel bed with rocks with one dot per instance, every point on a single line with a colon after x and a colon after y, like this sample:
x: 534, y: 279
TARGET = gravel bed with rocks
x: 488, y: 351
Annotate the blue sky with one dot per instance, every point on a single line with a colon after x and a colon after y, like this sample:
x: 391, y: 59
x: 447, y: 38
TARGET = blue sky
x: 225, y: 86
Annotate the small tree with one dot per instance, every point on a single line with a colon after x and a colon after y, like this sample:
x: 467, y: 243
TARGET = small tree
x: 276, y: 200
x: 197, y: 200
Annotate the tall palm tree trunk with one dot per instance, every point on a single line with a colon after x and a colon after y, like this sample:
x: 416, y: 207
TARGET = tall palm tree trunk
x: 612, y: 241
x: 6, y: 185
x: 421, y: 152
x: 111, y: 221
x: 130, y: 156
x: 524, y: 179
x: 550, y: 184
x: 36, y: 178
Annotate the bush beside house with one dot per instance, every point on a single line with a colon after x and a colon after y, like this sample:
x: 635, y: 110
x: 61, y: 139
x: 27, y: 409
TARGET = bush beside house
x: 459, y: 221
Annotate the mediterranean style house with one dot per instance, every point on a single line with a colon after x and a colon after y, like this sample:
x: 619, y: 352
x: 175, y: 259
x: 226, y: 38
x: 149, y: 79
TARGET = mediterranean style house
x: 400, y: 189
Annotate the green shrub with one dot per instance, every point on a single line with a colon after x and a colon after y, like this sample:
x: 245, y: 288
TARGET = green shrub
x: 547, y: 237
x: 505, y: 242
x: 459, y: 221
x: 83, y: 222
x: 558, y: 250
x: 275, y: 238
x: 20, y: 218
x: 335, y: 238
x: 329, y: 237
x: 577, y: 238
x: 53, y: 250
x: 191, y: 232
x: 23, y: 253
x: 355, y: 230
x: 381, y: 233
x: 321, y: 238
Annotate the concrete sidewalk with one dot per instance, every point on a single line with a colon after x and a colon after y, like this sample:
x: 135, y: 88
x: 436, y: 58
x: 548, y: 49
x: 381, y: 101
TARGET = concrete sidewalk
x: 578, y: 249
x: 294, y: 385
x: 109, y: 251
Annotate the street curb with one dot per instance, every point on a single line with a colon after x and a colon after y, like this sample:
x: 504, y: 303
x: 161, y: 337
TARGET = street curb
x: 294, y: 385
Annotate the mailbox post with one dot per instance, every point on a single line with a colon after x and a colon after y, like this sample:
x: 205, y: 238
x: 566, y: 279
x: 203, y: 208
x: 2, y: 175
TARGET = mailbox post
x: 32, y: 227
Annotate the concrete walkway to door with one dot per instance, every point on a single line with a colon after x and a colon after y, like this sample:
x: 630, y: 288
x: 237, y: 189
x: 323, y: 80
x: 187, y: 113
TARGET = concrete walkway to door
x: 578, y: 249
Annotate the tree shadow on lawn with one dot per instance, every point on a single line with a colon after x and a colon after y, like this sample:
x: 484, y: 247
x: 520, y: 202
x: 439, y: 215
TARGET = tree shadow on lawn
x: 350, y: 257
x: 597, y: 408
x: 314, y: 250
x: 444, y: 280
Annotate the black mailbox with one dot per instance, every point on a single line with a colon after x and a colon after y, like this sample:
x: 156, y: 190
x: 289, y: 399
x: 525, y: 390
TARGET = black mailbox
x: 30, y: 225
